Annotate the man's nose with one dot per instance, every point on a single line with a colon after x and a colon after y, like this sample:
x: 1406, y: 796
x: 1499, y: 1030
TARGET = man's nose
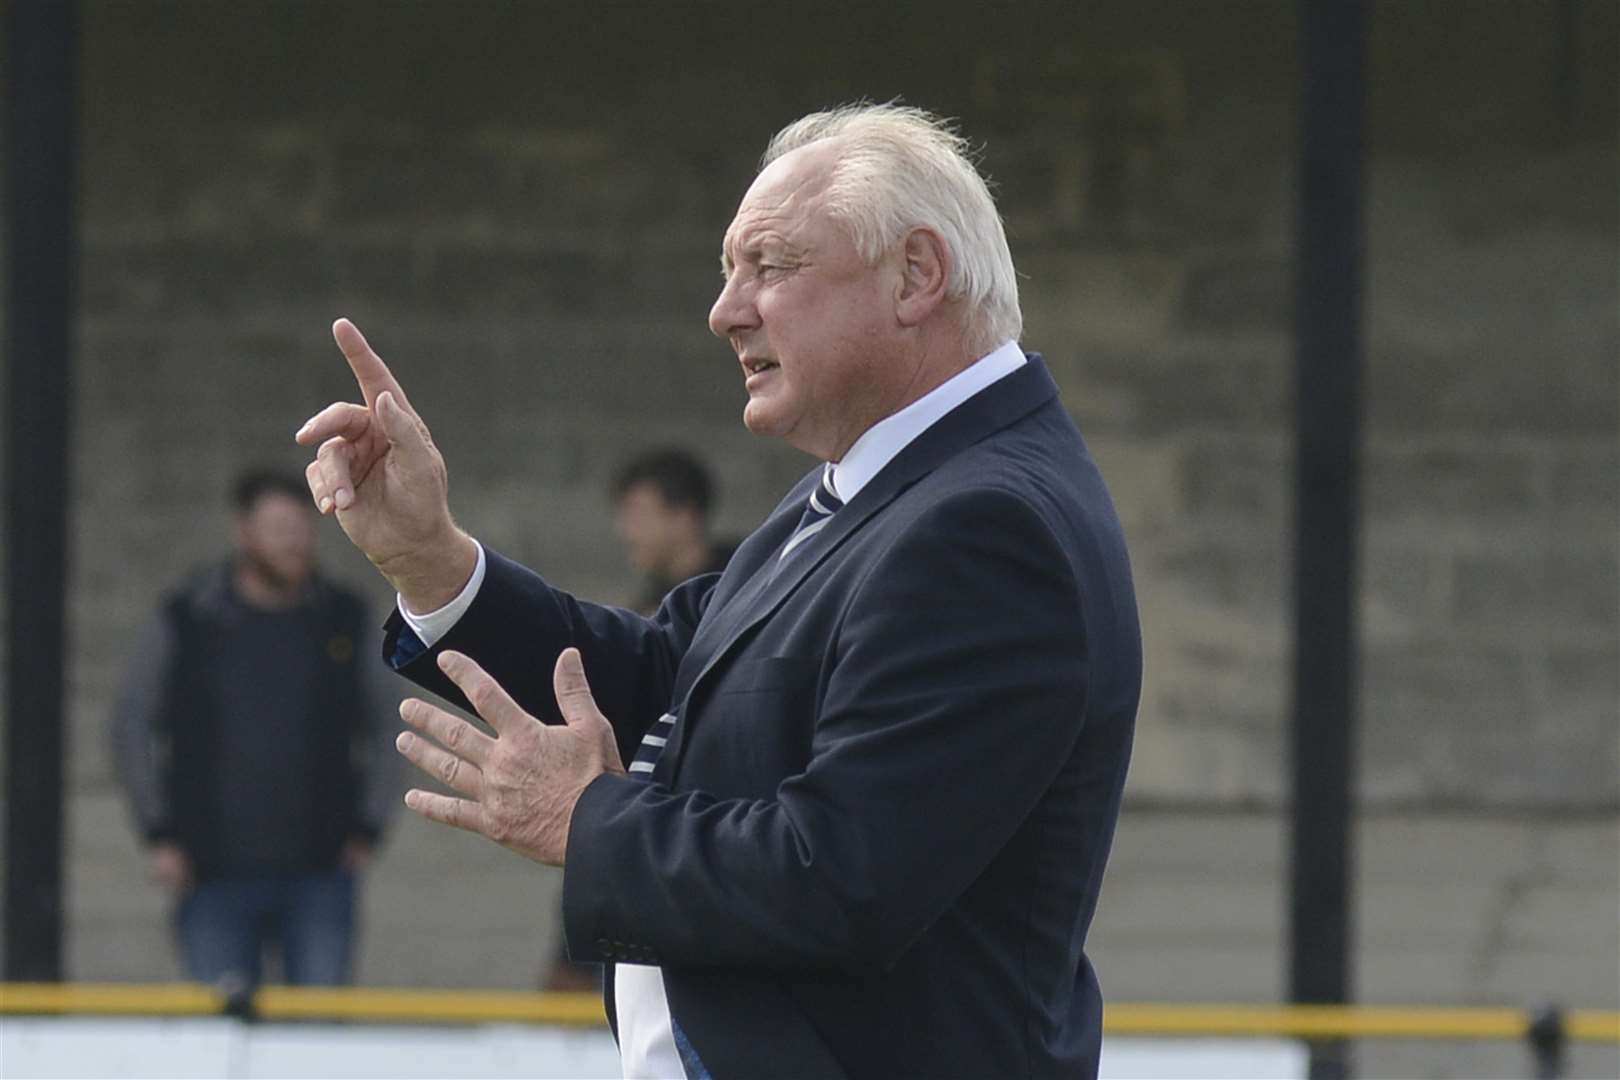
x: 732, y: 311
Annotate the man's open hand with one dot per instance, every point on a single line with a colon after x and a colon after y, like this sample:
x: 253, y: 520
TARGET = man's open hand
x: 521, y: 785
x: 377, y: 469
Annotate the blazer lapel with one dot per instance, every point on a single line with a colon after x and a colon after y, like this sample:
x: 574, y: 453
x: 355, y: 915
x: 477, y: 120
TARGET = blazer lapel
x: 723, y: 621
x: 997, y: 406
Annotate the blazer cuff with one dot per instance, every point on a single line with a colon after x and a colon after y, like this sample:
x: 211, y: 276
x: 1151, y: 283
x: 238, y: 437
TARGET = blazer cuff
x: 586, y: 877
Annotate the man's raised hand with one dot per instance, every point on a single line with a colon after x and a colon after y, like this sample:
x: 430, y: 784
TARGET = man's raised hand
x: 377, y: 470
x: 521, y: 785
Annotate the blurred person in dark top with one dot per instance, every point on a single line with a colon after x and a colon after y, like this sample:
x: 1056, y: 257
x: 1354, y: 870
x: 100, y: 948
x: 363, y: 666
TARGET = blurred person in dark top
x: 255, y: 749
x: 662, y: 500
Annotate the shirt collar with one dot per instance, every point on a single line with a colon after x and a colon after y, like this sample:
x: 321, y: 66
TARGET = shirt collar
x: 879, y: 444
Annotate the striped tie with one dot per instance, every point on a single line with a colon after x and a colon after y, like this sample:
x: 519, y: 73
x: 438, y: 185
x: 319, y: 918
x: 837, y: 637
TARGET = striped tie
x: 652, y: 744
x: 822, y: 505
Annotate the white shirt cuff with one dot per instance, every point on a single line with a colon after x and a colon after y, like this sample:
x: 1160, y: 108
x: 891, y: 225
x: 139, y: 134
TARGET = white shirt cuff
x: 435, y: 624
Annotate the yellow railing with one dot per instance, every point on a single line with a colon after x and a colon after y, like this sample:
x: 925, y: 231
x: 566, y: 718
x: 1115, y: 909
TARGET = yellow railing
x: 305, y: 1003
x: 585, y: 1010
x: 1350, y: 1021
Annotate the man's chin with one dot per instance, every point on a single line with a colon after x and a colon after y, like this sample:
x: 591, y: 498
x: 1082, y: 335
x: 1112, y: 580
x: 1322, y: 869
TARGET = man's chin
x: 760, y: 419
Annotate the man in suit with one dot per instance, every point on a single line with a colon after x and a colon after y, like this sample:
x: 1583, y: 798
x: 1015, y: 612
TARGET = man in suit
x: 842, y: 810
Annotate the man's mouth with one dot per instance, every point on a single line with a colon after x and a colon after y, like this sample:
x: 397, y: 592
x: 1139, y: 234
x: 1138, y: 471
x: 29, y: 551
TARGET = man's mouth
x: 757, y: 365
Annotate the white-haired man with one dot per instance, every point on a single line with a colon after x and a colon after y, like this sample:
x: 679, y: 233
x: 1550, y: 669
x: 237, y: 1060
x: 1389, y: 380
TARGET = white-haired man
x: 842, y: 810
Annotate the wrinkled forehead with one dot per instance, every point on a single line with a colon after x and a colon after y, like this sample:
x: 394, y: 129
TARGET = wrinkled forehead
x: 785, y: 195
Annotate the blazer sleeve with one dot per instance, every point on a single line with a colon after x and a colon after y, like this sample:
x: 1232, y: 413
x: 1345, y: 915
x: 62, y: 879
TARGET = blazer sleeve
x: 518, y: 624
x: 958, y: 690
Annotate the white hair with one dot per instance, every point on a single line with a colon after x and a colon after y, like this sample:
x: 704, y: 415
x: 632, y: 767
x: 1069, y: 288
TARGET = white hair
x: 899, y: 168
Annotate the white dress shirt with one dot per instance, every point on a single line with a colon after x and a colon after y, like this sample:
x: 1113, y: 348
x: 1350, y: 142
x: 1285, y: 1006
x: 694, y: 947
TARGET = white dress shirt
x: 646, y: 1037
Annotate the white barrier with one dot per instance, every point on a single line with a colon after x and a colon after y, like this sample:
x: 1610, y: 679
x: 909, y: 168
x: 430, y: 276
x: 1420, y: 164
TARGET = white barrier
x: 225, y: 1048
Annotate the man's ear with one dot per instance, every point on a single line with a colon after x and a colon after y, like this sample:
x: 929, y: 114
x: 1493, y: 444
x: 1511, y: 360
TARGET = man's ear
x: 926, y: 271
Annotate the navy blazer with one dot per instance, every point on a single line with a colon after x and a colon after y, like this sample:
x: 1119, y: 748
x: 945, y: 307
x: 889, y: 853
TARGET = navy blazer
x: 874, y: 842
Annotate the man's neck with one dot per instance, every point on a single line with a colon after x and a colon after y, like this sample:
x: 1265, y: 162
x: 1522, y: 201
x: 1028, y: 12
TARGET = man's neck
x: 935, y: 361
x: 883, y: 440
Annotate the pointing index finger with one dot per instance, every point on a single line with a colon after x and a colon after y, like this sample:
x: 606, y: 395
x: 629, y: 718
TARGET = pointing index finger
x: 369, y: 370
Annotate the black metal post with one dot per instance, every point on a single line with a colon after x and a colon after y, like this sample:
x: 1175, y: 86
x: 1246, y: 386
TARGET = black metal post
x: 1326, y: 525
x: 41, y: 36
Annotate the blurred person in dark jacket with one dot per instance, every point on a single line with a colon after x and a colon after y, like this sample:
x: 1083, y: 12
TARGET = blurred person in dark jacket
x: 255, y: 749
x: 662, y: 500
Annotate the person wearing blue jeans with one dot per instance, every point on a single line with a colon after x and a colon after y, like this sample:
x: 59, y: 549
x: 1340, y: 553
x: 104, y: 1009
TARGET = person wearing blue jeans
x: 221, y: 925
x: 255, y: 748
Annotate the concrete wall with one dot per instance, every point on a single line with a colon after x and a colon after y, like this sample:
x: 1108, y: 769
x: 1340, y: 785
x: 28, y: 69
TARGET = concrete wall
x: 521, y: 204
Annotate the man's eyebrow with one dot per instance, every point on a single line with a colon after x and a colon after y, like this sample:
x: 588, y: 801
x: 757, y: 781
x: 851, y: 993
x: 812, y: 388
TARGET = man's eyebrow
x: 727, y: 244
x: 750, y: 248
